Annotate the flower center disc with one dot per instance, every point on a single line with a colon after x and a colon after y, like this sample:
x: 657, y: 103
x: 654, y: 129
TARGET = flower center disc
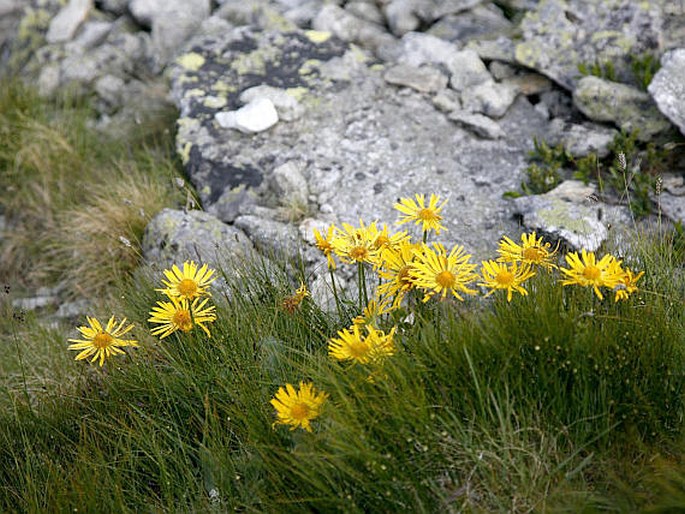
x: 428, y: 215
x: 403, y: 276
x: 299, y: 411
x: 359, y: 349
x: 445, y: 279
x: 183, y: 320
x: 102, y: 340
x: 359, y: 253
x: 592, y: 273
x: 505, y: 278
x: 533, y: 254
x: 187, y: 287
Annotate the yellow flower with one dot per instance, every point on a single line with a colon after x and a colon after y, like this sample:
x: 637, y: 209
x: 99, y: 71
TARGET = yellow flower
x: 396, y: 266
x: 590, y: 273
x: 291, y: 303
x: 189, y: 283
x: 384, y: 240
x: 436, y: 272
x: 505, y: 276
x: 179, y: 314
x: 298, y: 408
x: 373, y: 310
x: 100, y: 342
x: 532, y: 251
x: 428, y: 216
x: 352, y: 345
x: 325, y: 244
x: 354, y: 244
x: 627, y: 284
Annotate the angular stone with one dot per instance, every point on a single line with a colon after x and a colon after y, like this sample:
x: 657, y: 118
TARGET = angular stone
x: 489, y: 98
x: 174, y: 236
x: 627, y: 107
x: 418, y: 48
x: 467, y: 70
x: 568, y: 213
x: 287, y: 106
x: 560, y: 35
x: 481, y: 22
x: 402, y: 15
x: 366, y: 11
x: 260, y: 114
x: 668, y: 87
x: 290, y: 185
x: 424, y: 79
x: 478, y: 124
x: 580, y: 140
x: 66, y: 23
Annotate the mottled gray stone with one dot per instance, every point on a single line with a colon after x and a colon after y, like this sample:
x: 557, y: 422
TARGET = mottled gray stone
x: 529, y: 83
x: 447, y: 100
x: 500, y: 49
x: 478, y: 124
x: 403, y: 15
x: 559, y: 35
x: 570, y: 214
x: 110, y: 89
x: 467, y: 70
x: 489, y: 98
x: 481, y: 22
x: 581, y: 139
x: 425, y: 79
x: 290, y: 185
x: 117, y: 7
x: 92, y: 34
x: 272, y: 238
x: 418, y: 48
x: 366, y: 11
x: 256, y: 13
x: 362, y: 143
x: 175, y: 236
x: 501, y: 70
x: 668, y: 87
x: 627, y: 107
x: 66, y: 23
x: 671, y: 201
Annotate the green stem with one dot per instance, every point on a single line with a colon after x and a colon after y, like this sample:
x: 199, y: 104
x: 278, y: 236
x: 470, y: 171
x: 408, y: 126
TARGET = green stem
x: 335, y: 294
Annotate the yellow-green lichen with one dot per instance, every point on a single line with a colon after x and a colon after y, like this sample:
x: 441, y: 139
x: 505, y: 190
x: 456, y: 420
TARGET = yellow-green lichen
x: 191, y: 61
x: 222, y: 87
x: 297, y: 92
x: 558, y: 215
x: 194, y: 92
x: 214, y: 102
x: 309, y: 66
x: 528, y: 53
x: 184, y: 152
x: 317, y: 36
x: 33, y: 23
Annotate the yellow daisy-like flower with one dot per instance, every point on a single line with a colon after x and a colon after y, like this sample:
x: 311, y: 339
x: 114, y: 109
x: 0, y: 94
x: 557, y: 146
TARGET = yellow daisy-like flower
x: 356, y: 244
x: 586, y: 271
x: 384, y: 240
x: 189, y: 283
x: 298, y: 408
x: 352, y: 345
x: 373, y: 310
x: 180, y: 314
x: 440, y: 273
x: 396, y: 265
x: 627, y: 284
x: 325, y: 244
x: 532, y: 250
x: 505, y: 276
x: 428, y: 216
x: 100, y: 342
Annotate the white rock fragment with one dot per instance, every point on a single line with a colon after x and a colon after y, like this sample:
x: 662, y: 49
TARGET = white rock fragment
x: 257, y: 116
x: 69, y: 18
x: 289, y: 109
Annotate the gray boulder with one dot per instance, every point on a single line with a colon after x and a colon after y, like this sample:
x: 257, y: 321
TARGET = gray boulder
x: 627, y: 107
x: 66, y: 23
x: 560, y: 35
x: 668, y: 87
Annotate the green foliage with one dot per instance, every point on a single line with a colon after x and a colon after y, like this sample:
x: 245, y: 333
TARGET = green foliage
x: 603, y: 70
x: 543, y: 174
x: 644, y: 67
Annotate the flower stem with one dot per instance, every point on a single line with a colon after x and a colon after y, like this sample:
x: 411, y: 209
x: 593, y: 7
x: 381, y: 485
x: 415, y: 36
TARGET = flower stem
x: 335, y: 293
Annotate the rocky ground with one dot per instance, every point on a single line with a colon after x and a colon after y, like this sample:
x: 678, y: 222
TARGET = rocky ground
x: 294, y: 114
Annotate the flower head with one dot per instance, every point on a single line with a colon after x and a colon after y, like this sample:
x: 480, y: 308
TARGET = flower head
x: 356, y: 244
x: 100, y: 342
x: 417, y: 211
x: 325, y: 244
x: 439, y: 273
x: 291, y: 303
x: 531, y: 251
x: 586, y: 271
x: 180, y: 314
x: 627, y: 284
x: 355, y: 346
x: 298, y: 408
x: 504, y: 276
x: 395, y: 267
x: 189, y: 283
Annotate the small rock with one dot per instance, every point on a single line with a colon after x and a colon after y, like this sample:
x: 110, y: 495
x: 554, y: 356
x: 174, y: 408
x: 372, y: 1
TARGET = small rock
x: 92, y: 34
x: 501, y: 70
x: 530, y: 83
x: 289, y: 184
x: 418, y: 48
x: 500, y: 49
x: 144, y: 10
x: 366, y: 11
x: 117, y: 7
x: 467, y: 70
x: 34, y: 303
x: 447, y: 100
x: 580, y: 140
x: 257, y: 116
x: 402, y: 15
x: 110, y: 89
x: 73, y: 310
x: 478, y: 124
x: 271, y: 237
x: 49, y: 80
x: 425, y: 79
x: 68, y: 19
x: 567, y: 213
x: 480, y: 23
x: 489, y: 98
x: 626, y: 106
x: 287, y: 106
x: 668, y: 87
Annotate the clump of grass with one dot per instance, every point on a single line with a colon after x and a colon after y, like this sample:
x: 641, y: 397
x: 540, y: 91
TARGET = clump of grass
x: 77, y: 201
x: 544, y: 173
